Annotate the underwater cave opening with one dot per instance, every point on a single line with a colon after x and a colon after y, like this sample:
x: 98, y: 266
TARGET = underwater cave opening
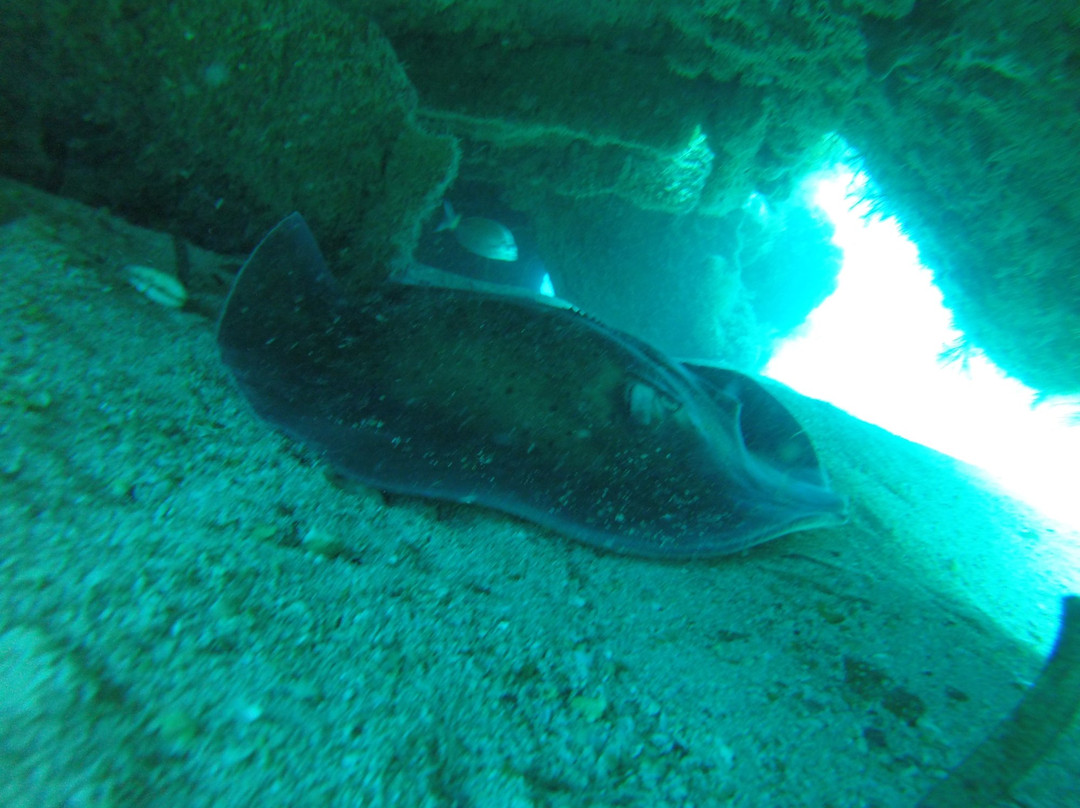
x: 875, y: 349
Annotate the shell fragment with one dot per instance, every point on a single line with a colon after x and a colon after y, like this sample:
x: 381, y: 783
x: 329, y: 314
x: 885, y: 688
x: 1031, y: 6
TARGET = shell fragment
x: 159, y: 286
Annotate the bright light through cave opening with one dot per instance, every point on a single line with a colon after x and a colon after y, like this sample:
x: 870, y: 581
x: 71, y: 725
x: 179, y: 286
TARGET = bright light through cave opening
x: 873, y: 347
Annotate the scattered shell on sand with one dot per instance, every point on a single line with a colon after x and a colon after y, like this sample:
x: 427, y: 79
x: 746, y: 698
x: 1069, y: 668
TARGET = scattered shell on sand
x: 159, y: 286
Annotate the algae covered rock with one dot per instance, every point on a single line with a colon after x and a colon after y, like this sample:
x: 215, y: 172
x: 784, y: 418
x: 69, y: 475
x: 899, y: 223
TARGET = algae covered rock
x: 971, y: 133
x: 212, y: 119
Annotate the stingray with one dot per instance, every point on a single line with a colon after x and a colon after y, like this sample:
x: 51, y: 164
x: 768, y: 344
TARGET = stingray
x: 507, y: 401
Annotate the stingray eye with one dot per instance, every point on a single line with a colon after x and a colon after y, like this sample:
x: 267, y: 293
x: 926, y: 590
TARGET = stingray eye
x: 647, y: 404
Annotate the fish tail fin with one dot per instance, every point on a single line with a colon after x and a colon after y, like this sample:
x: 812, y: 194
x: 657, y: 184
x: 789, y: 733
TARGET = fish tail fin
x: 450, y: 219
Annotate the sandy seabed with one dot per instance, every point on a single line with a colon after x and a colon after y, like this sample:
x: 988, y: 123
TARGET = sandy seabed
x: 197, y: 612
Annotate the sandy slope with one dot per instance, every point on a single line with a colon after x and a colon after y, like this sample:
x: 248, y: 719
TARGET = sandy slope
x: 196, y: 613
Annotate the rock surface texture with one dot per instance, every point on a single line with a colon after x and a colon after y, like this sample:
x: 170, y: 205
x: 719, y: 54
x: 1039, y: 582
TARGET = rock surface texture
x: 590, y: 119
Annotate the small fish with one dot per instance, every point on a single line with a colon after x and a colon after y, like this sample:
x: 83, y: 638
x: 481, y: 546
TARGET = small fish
x: 484, y: 237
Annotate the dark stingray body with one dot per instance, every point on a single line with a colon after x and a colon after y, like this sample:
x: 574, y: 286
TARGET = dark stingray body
x: 517, y: 405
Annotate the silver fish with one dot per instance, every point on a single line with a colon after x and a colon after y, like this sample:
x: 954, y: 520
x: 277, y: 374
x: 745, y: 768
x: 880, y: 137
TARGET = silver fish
x: 484, y: 237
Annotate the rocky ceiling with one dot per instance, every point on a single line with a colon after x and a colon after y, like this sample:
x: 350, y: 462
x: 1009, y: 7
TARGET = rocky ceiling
x: 627, y: 138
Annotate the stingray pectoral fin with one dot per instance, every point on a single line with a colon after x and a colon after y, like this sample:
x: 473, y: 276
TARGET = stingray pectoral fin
x: 782, y: 486
x: 286, y: 278
x: 769, y: 431
x: 283, y: 294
